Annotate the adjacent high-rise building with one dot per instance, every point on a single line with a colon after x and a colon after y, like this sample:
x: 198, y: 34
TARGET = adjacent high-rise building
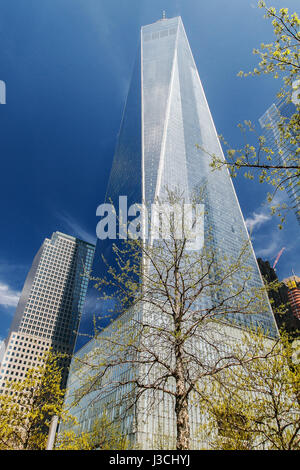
x: 293, y: 285
x: 49, y: 309
x: 285, y: 298
x: 283, y: 151
x: 2, y: 350
x: 166, y: 140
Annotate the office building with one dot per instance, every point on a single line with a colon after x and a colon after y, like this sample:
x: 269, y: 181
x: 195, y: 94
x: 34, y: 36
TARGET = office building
x: 283, y: 298
x: 165, y: 117
x: 293, y: 285
x: 283, y: 151
x: 49, y: 309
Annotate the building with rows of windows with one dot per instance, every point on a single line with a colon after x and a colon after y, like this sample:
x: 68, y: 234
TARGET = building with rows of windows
x: 165, y: 116
x: 49, y: 309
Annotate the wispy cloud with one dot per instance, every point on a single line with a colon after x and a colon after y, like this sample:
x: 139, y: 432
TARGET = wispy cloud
x: 8, y: 297
x: 10, y: 270
x: 257, y: 219
x: 268, y: 239
x: 262, y: 215
x: 270, y: 250
x: 75, y: 229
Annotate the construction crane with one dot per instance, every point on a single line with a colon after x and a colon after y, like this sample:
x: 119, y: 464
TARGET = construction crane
x: 278, y: 256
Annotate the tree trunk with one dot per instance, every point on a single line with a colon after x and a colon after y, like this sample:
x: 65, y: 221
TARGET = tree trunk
x: 182, y: 423
x: 181, y: 408
x: 181, y: 400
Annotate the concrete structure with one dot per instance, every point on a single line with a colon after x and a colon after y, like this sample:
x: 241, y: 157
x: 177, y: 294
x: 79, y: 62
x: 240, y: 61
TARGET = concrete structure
x: 293, y: 285
x: 50, y: 306
x: 282, y: 297
x: 2, y: 351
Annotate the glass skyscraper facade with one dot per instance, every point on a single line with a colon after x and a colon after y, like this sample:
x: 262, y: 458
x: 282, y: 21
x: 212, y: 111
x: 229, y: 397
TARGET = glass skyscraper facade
x: 270, y: 122
x: 166, y: 138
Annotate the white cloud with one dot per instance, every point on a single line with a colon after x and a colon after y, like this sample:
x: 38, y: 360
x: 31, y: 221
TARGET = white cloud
x: 257, y: 219
x: 8, y: 297
x: 267, y: 240
x: 269, y: 251
x: 263, y: 214
x: 76, y: 229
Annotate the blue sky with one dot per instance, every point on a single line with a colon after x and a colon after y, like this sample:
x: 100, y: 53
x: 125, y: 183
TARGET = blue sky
x: 67, y: 66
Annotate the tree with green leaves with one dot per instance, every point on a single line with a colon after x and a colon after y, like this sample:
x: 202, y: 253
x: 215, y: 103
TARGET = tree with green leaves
x: 256, y: 406
x: 104, y: 435
x: 275, y: 161
x: 27, y: 406
x: 176, y: 328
